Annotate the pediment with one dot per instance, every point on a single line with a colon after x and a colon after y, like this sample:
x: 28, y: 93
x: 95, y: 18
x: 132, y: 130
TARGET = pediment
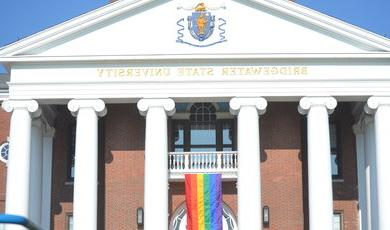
x: 162, y: 27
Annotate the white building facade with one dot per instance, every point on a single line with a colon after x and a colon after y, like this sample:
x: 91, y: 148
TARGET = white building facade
x: 247, y: 55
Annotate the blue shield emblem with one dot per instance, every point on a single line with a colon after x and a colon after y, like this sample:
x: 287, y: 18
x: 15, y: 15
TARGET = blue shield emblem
x: 201, y: 24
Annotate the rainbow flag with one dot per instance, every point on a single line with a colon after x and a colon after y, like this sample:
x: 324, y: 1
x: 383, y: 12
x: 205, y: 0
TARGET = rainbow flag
x: 204, y: 201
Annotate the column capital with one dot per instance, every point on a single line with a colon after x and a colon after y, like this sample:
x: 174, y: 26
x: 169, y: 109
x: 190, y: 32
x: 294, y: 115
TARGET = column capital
x: 373, y: 104
x: 31, y: 106
x: 97, y: 105
x: 167, y: 104
x: 306, y: 103
x: 237, y: 102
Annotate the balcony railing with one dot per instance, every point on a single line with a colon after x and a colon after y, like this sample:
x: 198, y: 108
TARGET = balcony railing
x: 180, y: 163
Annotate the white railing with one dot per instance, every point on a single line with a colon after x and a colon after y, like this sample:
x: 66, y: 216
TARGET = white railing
x: 180, y: 163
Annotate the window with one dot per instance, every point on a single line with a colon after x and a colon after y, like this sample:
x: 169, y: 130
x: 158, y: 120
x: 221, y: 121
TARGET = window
x: 4, y: 150
x: 71, y: 152
x: 69, y: 221
x: 202, y: 132
x: 335, y: 150
x: 337, y: 221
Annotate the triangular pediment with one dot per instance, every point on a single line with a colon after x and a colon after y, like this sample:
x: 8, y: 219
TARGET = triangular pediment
x: 162, y: 27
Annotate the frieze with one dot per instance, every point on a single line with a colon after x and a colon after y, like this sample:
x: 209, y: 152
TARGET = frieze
x: 130, y: 72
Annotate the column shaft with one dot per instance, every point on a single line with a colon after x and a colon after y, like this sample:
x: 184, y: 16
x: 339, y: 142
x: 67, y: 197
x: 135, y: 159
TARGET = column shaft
x: 319, y: 169
x: 85, y: 194
x: 319, y: 160
x: 156, y: 161
x: 35, y: 208
x: 18, y: 172
x: 47, y: 177
x: 248, y: 146
x: 248, y: 181
x: 361, y: 172
x: 371, y: 179
x: 85, y: 179
x: 382, y: 137
x: 156, y: 170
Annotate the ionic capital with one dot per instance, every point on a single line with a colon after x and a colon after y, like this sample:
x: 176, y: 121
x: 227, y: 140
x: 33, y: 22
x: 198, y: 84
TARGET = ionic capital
x: 97, y: 105
x: 306, y: 103
x: 237, y: 103
x: 373, y: 104
x: 30, y: 105
x: 167, y: 104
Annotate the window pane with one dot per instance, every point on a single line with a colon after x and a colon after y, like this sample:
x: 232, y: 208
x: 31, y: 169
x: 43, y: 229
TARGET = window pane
x: 179, y: 149
x: 334, y: 164
x: 71, y: 157
x: 203, y: 134
x: 337, y: 221
x: 333, y: 135
x: 226, y: 133
x: 195, y: 149
x: 179, y: 134
x: 227, y: 149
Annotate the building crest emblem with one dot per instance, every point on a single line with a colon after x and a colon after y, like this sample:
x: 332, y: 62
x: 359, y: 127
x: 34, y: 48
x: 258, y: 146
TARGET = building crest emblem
x: 201, y: 25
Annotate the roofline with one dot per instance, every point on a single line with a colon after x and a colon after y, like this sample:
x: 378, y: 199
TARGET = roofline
x: 72, y: 26
x: 327, y: 22
x: 292, y: 9
x: 371, y: 56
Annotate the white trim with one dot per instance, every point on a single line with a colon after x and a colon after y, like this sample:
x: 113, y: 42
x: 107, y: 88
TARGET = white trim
x: 284, y: 8
x: 378, y: 56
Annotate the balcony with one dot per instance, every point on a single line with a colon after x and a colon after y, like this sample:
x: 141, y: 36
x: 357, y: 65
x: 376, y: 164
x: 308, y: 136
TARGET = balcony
x: 180, y: 163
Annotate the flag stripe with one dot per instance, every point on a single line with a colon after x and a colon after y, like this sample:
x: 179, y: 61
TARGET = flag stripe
x: 200, y: 202
x: 207, y: 197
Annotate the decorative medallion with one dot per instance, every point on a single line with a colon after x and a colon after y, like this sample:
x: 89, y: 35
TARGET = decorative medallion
x: 201, y: 23
x: 201, y: 26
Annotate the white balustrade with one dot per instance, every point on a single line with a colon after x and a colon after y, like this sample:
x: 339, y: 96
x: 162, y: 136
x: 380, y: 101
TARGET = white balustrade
x: 180, y: 163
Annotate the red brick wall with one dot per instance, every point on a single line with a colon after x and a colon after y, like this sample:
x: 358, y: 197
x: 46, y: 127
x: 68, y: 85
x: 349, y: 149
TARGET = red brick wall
x: 4, y: 133
x: 124, y: 166
x: 283, y: 169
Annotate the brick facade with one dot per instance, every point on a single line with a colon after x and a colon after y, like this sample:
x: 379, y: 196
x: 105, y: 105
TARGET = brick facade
x: 121, y: 138
x: 4, y: 133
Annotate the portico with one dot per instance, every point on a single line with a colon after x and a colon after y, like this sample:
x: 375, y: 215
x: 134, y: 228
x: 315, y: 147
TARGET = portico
x: 125, y: 92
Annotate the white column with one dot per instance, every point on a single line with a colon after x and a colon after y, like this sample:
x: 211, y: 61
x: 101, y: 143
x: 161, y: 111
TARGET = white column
x: 156, y: 161
x: 85, y: 195
x: 380, y: 108
x: 370, y: 173
x: 361, y: 172
x: 248, y: 146
x: 319, y: 160
x: 35, y: 208
x: 18, y: 172
x: 48, y: 135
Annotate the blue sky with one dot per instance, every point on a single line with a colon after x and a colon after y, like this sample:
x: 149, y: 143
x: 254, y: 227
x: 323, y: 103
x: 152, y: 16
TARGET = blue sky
x: 20, y: 18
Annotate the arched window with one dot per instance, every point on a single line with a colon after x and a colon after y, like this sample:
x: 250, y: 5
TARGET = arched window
x: 202, y: 113
x: 203, y: 132
x: 4, y: 150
